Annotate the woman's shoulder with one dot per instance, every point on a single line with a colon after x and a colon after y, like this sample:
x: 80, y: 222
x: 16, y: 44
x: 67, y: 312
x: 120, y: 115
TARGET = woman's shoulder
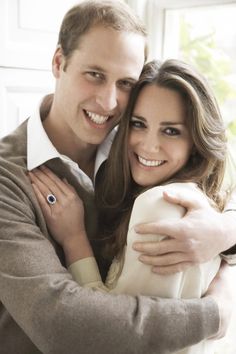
x: 151, y: 206
x: 183, y: 191
x: 176, y: 187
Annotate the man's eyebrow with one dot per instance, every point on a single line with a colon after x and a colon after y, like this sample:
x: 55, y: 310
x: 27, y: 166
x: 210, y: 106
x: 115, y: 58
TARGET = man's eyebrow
x: 104, y: 71
x: 133, y: 79
x: 96, y: 68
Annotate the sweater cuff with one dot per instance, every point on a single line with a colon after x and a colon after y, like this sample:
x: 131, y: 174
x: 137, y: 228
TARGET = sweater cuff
x: 207, y: 314
x: 85, y: 272
x: 230, y: 255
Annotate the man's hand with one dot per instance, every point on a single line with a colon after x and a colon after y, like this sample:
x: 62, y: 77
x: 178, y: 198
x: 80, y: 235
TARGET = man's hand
x: 199, y: 236
x: 221, y: 290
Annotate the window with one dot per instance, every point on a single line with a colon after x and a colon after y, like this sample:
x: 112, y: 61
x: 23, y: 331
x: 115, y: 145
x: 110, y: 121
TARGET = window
x: 194, y: 35
x: 205, y: 36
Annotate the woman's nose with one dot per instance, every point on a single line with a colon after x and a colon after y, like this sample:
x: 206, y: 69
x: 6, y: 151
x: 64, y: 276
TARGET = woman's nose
x: 152, y: 142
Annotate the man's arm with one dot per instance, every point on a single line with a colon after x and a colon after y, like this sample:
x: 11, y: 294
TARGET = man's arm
x: 59, y: 316
x: 222, y: 291
x: 199, y: 236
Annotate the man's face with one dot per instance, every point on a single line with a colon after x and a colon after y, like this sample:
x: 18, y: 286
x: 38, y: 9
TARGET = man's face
x: 93, y: 90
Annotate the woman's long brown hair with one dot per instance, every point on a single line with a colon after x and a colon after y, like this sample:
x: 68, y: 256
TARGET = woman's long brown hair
x: 115, y: 188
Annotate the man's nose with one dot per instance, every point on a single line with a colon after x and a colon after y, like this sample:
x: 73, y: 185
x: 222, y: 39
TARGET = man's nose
x: 107, y: 97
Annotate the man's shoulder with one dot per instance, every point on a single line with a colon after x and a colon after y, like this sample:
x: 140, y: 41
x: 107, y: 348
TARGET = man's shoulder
x: 13, y: 159
x: 13, y: 147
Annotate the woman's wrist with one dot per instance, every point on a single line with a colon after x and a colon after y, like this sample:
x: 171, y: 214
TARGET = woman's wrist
x: 77, y: 247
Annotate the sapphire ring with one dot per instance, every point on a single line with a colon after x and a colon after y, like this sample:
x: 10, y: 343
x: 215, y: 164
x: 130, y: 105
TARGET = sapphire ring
x: 51, y: 199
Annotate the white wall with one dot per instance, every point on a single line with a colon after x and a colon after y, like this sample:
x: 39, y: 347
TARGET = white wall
x: 28, y: 36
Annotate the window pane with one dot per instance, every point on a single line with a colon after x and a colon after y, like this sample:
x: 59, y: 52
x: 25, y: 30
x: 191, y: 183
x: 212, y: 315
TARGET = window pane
x: 206, y: 37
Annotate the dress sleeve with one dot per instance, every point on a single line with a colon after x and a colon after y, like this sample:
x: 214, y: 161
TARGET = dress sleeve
x: 86, y: 273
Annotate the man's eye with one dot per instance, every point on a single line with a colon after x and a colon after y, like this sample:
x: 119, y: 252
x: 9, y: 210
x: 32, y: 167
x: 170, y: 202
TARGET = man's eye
x: 95, y: 75
x: 171, y: 131
x: 126, y: 85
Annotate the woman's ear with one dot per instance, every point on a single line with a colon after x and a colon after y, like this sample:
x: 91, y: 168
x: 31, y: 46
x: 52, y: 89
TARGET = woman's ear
x: 58, y: 61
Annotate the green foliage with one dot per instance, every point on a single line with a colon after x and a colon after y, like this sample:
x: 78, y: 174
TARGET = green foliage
x: 232, y: 127
x: 204, y: 54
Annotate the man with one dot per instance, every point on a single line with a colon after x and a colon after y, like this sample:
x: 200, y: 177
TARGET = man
x: 100, y: 54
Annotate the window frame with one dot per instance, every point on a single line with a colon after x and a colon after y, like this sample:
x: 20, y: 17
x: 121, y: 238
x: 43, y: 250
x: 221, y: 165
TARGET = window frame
x: 156, y: 24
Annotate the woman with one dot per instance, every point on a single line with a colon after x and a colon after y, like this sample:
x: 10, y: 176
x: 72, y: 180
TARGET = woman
x: 171, y: 135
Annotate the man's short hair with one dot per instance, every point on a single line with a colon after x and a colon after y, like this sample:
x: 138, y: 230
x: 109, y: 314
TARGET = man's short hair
x: 80, y: 18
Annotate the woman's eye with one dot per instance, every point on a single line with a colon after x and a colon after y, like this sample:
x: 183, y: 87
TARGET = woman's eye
x: 171, y: 131
x: 126, y: 85
x: 136, y: 124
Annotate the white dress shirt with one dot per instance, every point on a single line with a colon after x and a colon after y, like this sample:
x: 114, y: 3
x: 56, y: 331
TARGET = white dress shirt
x: 40, y: 150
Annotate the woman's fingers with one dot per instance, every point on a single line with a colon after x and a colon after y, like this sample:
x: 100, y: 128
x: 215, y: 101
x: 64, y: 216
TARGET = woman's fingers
x: 50, y: 186
x: 51, y: 178
x: 42, y: 201
x: 48, y: 183
x: 71, y: 188
x: 43, y: 186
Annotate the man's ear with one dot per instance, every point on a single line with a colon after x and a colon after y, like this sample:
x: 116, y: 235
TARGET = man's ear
x: 58, y: 62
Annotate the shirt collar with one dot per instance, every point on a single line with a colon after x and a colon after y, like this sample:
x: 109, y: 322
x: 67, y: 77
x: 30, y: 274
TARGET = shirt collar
x: 39, y: 147
x: 104, y: 149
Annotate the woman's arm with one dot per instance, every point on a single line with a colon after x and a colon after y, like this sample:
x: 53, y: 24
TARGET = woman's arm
x: 65, y: 221
x: 64, y: 218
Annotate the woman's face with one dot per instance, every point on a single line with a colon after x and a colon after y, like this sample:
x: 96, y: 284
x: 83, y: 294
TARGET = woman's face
x: 159, y: 141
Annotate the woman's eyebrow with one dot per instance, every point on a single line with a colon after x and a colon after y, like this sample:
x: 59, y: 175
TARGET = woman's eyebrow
x: 172, y: 123
x: 138, y: 117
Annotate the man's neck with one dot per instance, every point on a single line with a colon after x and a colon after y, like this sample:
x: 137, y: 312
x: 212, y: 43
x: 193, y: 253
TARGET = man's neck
x: 81, y: 153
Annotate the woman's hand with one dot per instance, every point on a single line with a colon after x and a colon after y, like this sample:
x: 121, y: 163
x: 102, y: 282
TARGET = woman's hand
x: 64, y: 218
